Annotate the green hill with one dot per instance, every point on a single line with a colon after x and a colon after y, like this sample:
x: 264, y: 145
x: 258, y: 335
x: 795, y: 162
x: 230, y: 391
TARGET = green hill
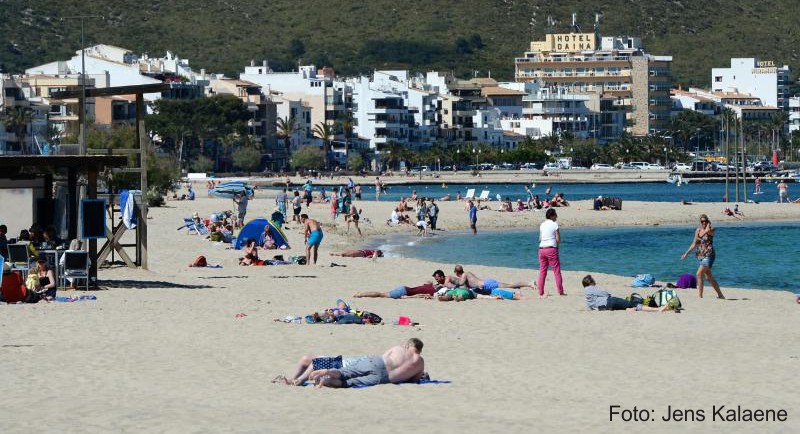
x: 355, y: 36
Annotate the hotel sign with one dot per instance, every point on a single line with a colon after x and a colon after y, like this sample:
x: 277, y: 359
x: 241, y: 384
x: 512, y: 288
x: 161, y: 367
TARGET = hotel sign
x: 570, y: 42
x: 765, y: 67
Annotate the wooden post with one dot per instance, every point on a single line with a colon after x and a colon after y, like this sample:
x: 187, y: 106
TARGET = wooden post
x: 142, y: 141
x: 91, y: 193
x: 72, y: 203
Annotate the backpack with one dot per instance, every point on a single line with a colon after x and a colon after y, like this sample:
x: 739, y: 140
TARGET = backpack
x: 643, y: 281
x: 666, y: 297
x: 369, y: 317
x: 686, y: 280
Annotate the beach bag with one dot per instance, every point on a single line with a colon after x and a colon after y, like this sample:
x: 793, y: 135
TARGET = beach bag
x: 369, y: 317
x: 643, y: 281
x: 199, y: 262
x: 666, y: 297
x: 635, y: 299
x: 686, y: 280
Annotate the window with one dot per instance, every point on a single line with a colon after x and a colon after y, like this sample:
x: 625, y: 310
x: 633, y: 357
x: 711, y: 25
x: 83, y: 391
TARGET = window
x: 718, y: 79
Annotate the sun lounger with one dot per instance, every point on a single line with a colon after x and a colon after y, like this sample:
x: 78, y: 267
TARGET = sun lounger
x: 484, y: 195
x: 189, y: 224
x: 470, y: 194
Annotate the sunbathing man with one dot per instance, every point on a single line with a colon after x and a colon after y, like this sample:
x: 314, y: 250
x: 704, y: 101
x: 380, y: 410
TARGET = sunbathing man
x: 426, y: 290
x: 400, y: 364
x: 313, y: 235
x: 489, y: 287
x: 367, y: 253
x: 305, y: 366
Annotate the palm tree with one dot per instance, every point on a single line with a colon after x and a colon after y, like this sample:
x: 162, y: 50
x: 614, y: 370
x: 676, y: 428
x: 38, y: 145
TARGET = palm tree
x: 17, y: 119
x: 346, y: 124
x: 324, y: 131
x: 287, y: 128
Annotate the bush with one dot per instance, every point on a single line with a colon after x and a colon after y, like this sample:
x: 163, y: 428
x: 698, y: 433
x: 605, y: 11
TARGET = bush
x: 202, y: 164
x: 246, y: 159
x: 308, y: 158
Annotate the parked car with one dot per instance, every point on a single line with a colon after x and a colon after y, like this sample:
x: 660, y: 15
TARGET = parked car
x: 702, y: 166
x: 683, y: 167
x: 654, y: 166
x: 528, y: 166
x: 640, y: 165
x: 551, y: 166
x: 630, y: 166
x: 600, y: 166
x: 763, y: 166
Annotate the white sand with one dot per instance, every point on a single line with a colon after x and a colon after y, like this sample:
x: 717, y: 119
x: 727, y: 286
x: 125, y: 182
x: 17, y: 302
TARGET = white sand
x: 162, y: 351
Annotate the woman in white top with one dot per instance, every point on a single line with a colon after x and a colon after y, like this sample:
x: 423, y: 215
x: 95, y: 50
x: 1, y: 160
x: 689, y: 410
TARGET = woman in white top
x: 549, y: 239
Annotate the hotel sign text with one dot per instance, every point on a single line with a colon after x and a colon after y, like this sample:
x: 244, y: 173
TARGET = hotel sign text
x: 765, y: 67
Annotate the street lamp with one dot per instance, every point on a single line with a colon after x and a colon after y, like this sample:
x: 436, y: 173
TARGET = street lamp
x: 626, y: 155
x: 666, y: 160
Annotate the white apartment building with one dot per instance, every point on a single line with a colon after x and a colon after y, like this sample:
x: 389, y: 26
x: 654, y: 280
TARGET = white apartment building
x: 794, y: 114
x: 109, y: 66
x: 552, y: 111
x: 312, y: 88
x: 380, y: 108
x: 760, y: 78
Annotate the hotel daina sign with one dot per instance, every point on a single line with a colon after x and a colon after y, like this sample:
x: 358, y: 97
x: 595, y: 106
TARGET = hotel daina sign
x: 765, y: 67
x: 569, y: 42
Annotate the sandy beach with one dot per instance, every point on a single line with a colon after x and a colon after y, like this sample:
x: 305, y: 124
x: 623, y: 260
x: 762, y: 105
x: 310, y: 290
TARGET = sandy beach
x: 166, y: 349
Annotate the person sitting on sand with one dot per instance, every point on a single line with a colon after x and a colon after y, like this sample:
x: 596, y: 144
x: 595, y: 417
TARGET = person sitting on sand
x: 559, y: 200
x: 521, y: 206
x: 250, y: 254
x: 458, y: 195
x: 490, y: 287
x: 537, y: 203
x: 366, y: 253
x: 728, y: 212
x: 400, y: 364
x: 267, y: 241
x: 506, y: 206
x: 599, y: 299
x: 736, y: 210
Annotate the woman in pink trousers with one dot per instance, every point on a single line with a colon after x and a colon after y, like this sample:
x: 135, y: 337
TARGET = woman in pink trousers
x: 549, y: 239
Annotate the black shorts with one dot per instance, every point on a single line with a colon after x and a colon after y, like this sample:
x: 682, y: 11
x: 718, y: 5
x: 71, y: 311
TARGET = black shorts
x: 358, y: 196
x: 297, y: 210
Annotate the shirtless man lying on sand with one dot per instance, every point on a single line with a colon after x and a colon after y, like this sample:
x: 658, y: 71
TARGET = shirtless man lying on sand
x: 489, y: 287
x: 360, y: 253
x: 399, y: 364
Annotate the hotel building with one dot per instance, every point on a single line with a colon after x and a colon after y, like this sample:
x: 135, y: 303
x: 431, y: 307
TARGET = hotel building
x: 760, y: 78
x: 629, y: 82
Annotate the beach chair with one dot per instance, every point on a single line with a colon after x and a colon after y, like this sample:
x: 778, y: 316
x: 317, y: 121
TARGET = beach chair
x: 76, y: 266
x: 484, y: 196
x: 18, y: 258
x: 189, y: 224
x: 470, y: 194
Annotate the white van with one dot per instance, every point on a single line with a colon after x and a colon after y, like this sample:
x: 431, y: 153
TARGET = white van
x: 565, y: 163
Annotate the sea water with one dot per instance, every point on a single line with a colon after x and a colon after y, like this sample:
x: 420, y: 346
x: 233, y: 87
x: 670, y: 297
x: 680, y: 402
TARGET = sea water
x: 640, y: 191
x: 749, y: 255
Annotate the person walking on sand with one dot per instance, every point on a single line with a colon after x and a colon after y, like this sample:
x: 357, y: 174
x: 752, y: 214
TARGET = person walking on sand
x: 472, y: 211
x: 313, y: 238
x: 783, y: 192
x: 757, y: 190
x: 549, y: 241
x: 281, y: 199
x: 703, y: 243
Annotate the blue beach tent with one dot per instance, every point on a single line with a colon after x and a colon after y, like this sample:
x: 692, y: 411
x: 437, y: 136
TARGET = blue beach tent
x: 255, y: 230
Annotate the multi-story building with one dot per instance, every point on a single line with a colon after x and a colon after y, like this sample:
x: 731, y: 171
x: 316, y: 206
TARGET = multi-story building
x: 26, y: 121
x: 757, y: 77
x: 381, y: 112
x: 326, y: 99
x: 794, y: 114
x: 264, y: 116
x: 62, y: 114
x: 552, y: 111
x: 628, y: 80
x: 695, y: 100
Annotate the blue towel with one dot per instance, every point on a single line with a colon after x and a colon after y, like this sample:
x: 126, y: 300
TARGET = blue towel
x: 72, y: 299
x: 308, y: 383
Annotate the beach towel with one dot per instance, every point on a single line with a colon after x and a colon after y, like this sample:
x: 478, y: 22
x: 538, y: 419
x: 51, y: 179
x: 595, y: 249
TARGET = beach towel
x: 425, y: 381
x: 643, y: 281
x: 128, y: 206
x: 74, y: 298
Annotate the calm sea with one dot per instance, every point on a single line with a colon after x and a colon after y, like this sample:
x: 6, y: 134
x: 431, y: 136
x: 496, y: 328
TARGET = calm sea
x: 749, y: 255
x: 653, y: 192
